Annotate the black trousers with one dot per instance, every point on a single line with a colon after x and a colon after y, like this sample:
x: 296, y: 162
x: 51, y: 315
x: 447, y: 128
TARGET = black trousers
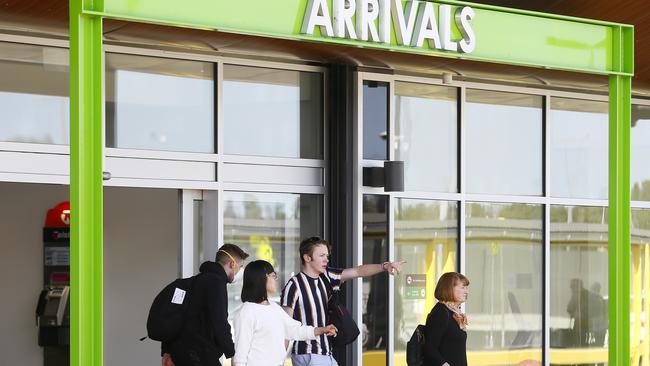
x: 190, y: 355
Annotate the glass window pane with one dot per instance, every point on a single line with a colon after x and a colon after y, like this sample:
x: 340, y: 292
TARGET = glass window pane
x: 578, y: 302
x: 269, y: 112
x: 426, y: 237
x: 578, y: 142
x: 640, y: 300
x: 374, y: 324
x: 375, y: 120
x: 426, y: 131
x: 504, y: 264
x: 270, y: 226
x: 34, y: 102
x: 159, y: 104
x: 504, y: 143
x: 640, y: 151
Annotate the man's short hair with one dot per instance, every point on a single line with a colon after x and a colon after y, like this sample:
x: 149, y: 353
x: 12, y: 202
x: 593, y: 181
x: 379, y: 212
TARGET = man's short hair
x: 445, y: 288
x: 307, y: 246
x: 222, y: 256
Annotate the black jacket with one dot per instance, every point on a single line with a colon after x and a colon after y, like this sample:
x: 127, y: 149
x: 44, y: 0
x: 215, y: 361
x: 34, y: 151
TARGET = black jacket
x: 206, y: 334
x: 444, y: 341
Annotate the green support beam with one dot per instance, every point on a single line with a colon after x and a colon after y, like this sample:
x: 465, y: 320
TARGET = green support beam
x: 86, y: 191
x: 620, y: 91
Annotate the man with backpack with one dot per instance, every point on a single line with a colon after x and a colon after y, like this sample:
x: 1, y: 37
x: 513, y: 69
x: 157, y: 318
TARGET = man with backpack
x: 305, y: 298
x: 205, y: 334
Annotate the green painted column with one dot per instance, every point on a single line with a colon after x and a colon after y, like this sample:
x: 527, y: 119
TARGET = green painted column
x: 86, y: 191
x: 620, y: 90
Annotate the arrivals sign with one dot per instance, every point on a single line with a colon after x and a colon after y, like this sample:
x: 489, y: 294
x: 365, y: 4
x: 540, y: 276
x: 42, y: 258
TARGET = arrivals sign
x: 413, y: 22
x: 445, y: 28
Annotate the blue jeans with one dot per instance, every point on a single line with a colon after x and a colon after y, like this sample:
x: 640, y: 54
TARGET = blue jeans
x: 312, y: 359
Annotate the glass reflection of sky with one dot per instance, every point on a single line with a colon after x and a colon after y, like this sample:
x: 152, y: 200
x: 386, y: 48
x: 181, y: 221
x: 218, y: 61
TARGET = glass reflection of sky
x: 578, y: 147
x: 162, y: 112
x: 261, y: 119
x: 504, y: 149
x: 34, y: 118
x: 426, y: 133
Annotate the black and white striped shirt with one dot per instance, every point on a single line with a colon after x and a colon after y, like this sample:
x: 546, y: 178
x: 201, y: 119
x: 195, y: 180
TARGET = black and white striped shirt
x: 307, y: 296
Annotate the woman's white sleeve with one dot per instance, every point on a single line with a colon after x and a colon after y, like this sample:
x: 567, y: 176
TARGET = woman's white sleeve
x: 244, y: 327
x: 294, y: 329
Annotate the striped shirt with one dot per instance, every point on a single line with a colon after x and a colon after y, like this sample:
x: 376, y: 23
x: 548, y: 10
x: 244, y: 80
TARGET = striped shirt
x: 307, y: 296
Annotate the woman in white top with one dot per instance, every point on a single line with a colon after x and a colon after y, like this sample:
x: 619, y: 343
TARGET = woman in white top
x: 262, y: 326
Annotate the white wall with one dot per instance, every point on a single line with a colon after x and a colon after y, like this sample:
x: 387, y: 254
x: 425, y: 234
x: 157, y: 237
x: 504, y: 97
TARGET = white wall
x: 142, y: 241
x: 22, y: 215
x: 141, y: 244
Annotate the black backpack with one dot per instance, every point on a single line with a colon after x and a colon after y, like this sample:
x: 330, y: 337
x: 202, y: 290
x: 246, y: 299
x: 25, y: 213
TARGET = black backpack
x: 415, y: 347
x: 167, y: 313
x: 340, y: 317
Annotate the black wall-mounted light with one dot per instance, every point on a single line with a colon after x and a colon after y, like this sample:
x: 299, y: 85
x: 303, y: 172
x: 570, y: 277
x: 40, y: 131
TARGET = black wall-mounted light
x: 390, y: 176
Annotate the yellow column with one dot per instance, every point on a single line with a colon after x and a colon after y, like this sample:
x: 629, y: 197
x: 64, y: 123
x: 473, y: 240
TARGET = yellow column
x: 636, y: 304
x: 431, y: 279
x: 450, y: 256
x: 645, y: 349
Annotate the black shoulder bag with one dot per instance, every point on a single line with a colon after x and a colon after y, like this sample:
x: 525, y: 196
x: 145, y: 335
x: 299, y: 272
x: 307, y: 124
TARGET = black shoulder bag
x: 340, y: 317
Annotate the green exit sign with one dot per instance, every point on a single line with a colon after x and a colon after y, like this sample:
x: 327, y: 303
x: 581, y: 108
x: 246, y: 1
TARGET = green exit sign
x: 415, y: 286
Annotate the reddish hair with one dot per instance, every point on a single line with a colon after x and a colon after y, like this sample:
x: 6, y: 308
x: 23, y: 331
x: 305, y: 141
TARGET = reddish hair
x: 445, y: 288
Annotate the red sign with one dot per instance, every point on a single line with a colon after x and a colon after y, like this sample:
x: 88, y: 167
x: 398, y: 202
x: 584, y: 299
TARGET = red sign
x: 59, y: 216
x: 60, y: 277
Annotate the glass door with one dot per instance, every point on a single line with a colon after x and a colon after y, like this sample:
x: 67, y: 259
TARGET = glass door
x: 416, y: 123
x: 266, y: 225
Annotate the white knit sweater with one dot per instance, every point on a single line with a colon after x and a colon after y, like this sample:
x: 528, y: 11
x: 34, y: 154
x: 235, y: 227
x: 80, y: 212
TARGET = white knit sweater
x: 260, y: 333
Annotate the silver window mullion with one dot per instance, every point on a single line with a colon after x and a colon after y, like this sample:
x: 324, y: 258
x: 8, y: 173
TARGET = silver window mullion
x: 546, y: 255
x: 219, y: 119
x: 220, y: 218
x: 547, y: 285
x: 462, y: 175
x: 220, y: 152
x: 641, y: 204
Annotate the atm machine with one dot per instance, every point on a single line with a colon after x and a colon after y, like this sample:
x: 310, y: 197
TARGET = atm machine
x: 53, y: 308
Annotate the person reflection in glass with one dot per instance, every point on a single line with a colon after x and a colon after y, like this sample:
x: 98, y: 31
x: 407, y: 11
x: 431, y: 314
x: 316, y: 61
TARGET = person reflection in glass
x: 598, y: 315
x: 578, y: 310
x: 589, y: 313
